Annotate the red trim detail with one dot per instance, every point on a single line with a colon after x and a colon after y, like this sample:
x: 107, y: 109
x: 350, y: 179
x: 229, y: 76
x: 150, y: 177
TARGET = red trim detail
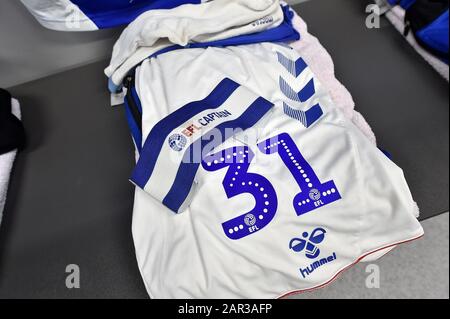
x: 296, y: 292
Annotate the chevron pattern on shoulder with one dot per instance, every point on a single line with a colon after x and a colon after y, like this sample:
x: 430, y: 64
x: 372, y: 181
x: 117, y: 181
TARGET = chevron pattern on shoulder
x: 296, y: 68
x: 304, y: 95
x: 293, y: 67
x: 306, y: 118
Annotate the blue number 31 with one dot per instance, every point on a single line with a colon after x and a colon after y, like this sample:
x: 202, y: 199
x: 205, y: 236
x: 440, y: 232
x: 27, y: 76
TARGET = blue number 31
x: 238, y: 180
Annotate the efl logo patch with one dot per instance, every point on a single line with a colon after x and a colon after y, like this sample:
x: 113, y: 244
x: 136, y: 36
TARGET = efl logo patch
x: 314, y: 194
x: 309, y: 244
x: 177, y: 142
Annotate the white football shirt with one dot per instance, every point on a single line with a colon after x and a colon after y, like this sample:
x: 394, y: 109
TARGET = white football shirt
x: 292, y: 197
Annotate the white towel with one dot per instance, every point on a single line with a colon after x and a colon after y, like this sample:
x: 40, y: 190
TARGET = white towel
x: 6, y: 163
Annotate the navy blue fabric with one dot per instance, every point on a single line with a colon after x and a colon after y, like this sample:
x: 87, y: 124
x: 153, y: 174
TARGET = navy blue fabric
x: 386, y: 153
x: 429, y: 22
x: 135, y: 128
x: 136, y: 99
x: 436, y: 35
x: 405, y: 4
x: 111, y: 13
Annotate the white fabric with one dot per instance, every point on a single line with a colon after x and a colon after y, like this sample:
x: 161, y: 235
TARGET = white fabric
x: 6, y: 163
x: 189, y: 255
x: 397, y: 17
x: 60, y: 15
x: 211, y: 21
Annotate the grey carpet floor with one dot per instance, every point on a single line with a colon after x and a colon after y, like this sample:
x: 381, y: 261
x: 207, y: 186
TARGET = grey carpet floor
x: 419, y: 269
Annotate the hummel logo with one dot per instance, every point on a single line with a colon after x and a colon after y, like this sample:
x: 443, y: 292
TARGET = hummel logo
x: 316, y: 237
x: 309, y: 243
